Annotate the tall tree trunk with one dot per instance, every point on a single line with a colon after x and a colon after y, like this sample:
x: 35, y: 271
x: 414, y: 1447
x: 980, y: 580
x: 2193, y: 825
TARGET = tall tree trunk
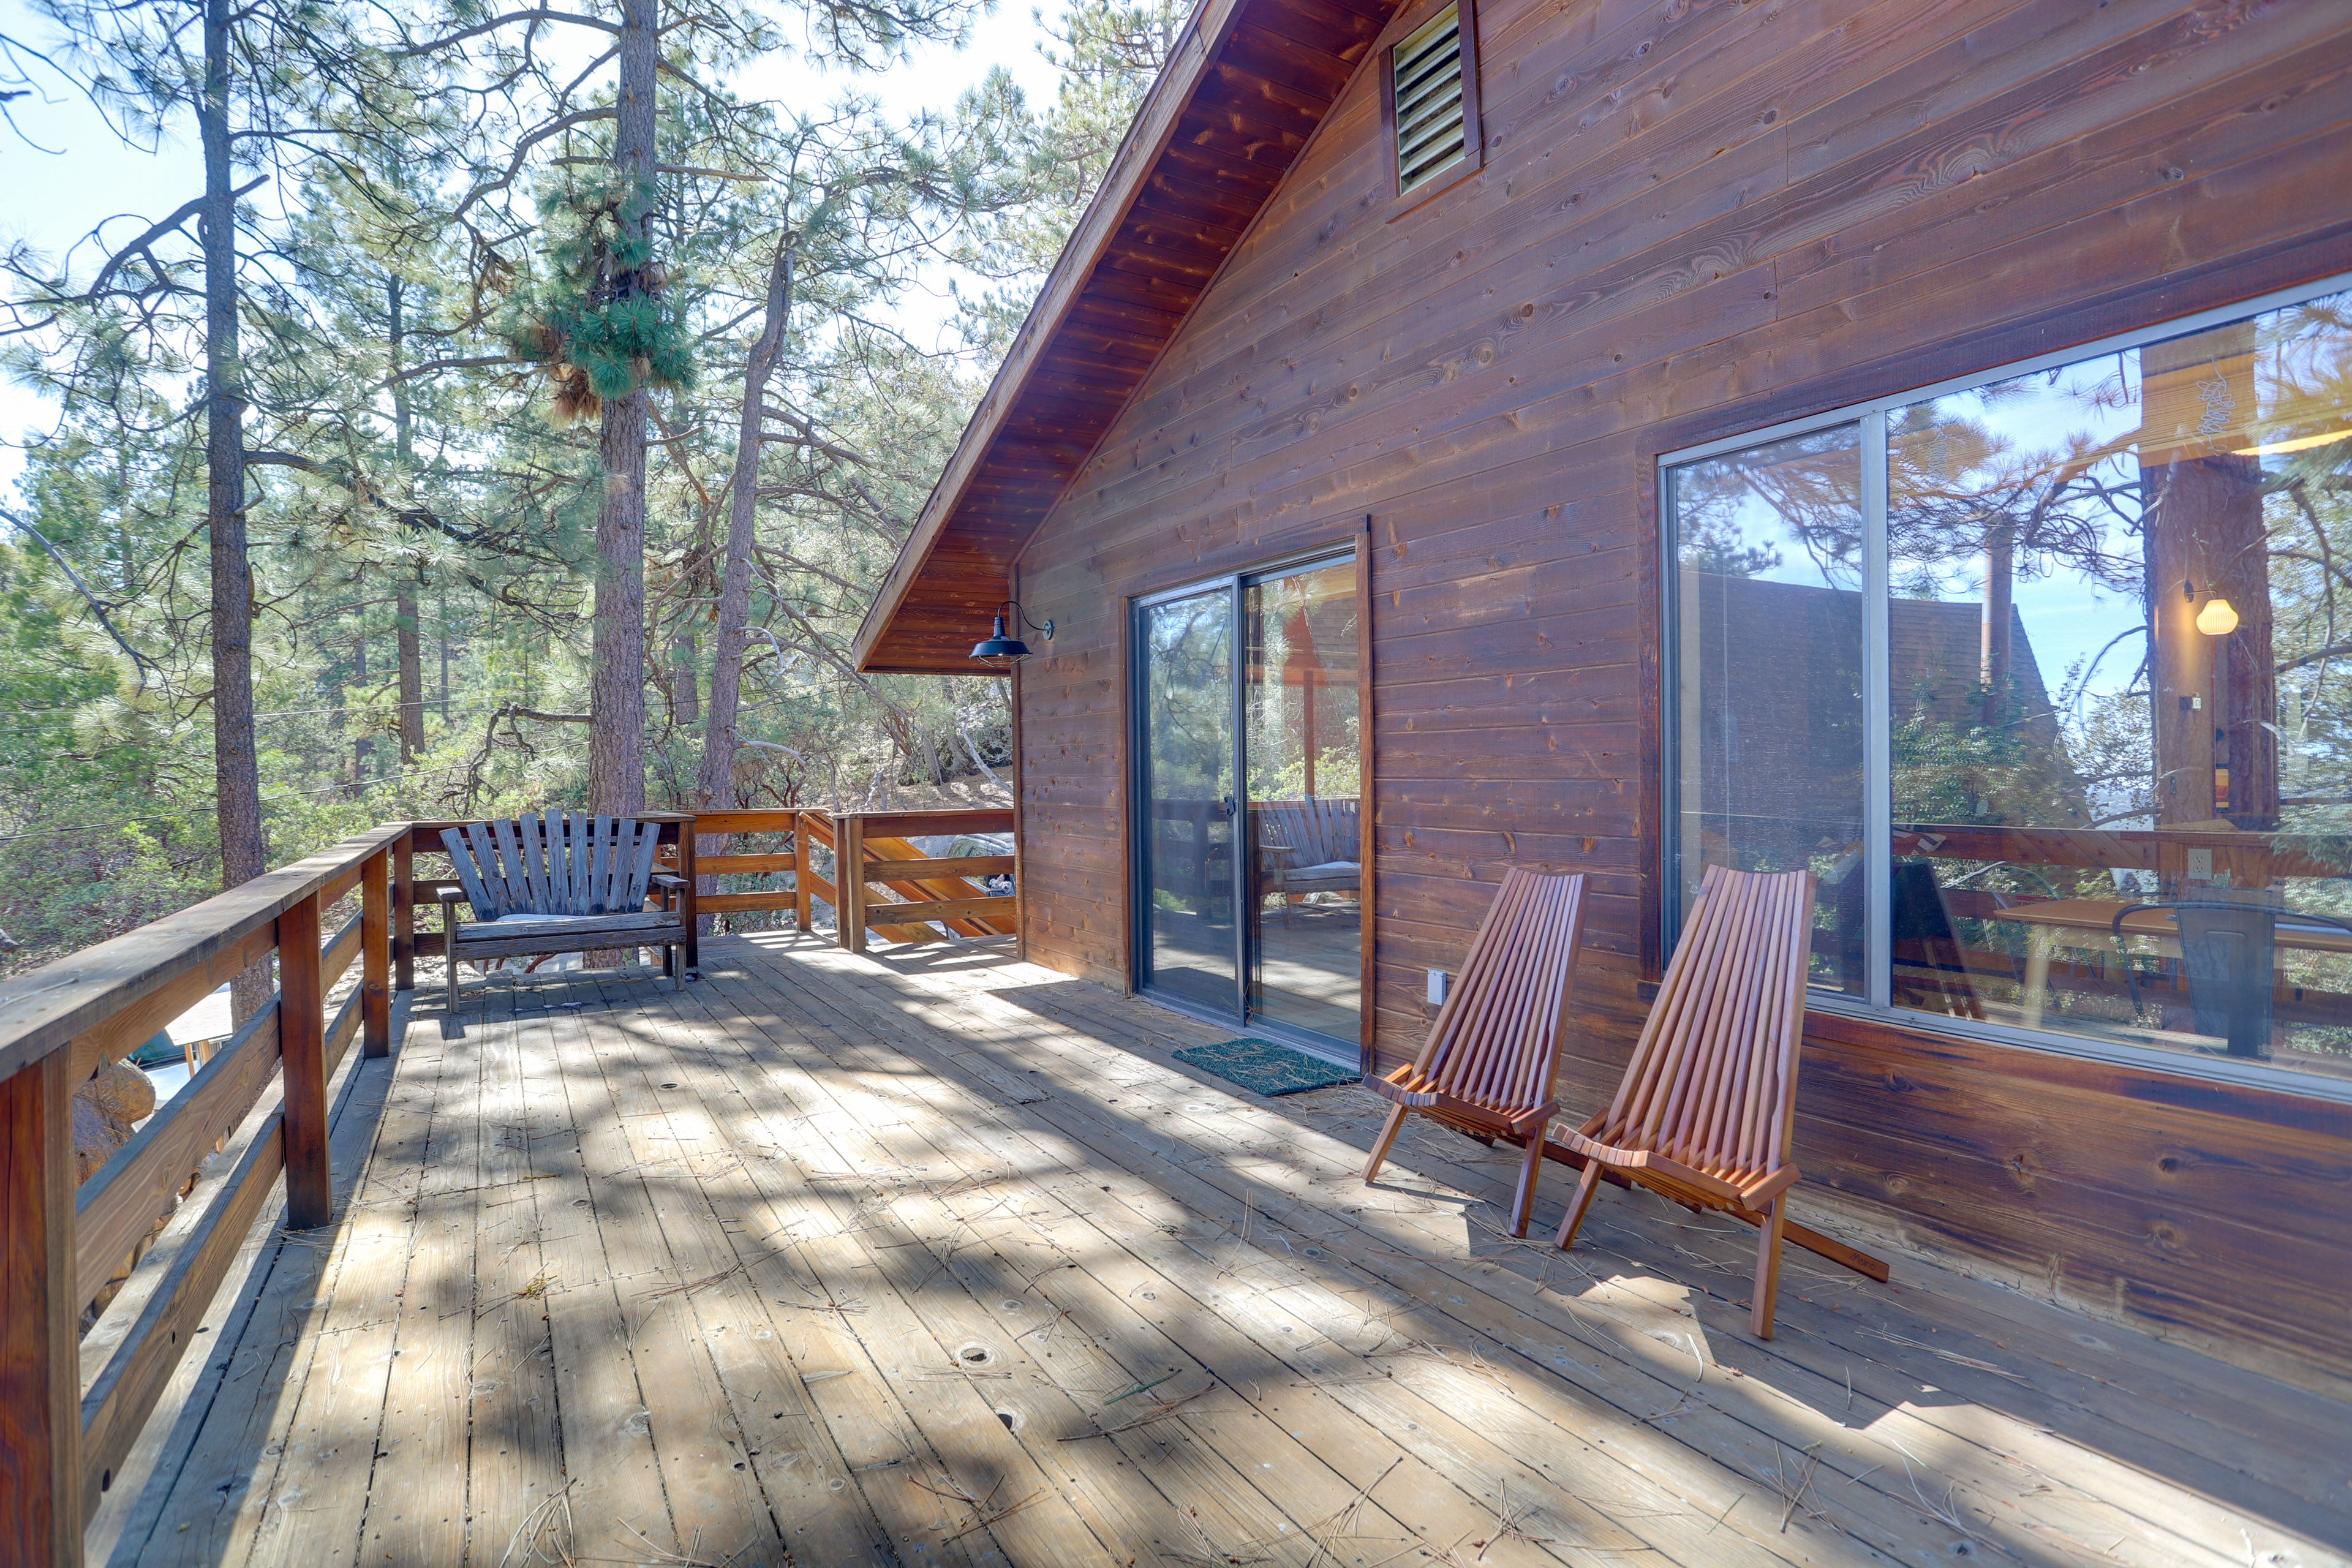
x: 363, y: 744
x: 685, y: 680
x: 236, y: 773
x: 714, y: 786
x: 616, y: 692
x: 720, y: 743
x: 408, y: 648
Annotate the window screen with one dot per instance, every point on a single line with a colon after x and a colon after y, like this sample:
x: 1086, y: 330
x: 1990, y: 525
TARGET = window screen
x: 1432, y: 131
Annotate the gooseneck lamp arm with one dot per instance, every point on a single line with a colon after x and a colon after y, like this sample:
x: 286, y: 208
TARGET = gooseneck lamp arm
x: 1000, y: 644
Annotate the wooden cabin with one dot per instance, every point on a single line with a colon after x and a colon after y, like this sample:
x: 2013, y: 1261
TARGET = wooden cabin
x: 1903, y: 443
x: 1624, y: 437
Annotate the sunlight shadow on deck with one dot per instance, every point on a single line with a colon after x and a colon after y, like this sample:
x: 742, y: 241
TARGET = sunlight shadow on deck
x: 934, y: 1257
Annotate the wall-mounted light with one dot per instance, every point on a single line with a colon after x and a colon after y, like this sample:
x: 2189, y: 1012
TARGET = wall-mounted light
x: 2217, y: 618
x: 1001, y: 645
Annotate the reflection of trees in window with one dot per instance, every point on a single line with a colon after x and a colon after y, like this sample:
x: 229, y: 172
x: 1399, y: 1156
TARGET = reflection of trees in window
x: 1187, y: 643
x: 1811, y: 482
x: 2304, y: 370
x: 1301, y: 691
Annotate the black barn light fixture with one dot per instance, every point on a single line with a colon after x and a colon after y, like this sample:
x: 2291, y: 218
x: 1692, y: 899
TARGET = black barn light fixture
x: 999, y: 644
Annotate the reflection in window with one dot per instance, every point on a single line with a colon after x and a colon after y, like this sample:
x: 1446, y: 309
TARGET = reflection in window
x: 1306, y: 782
x: 1767, y: 550
x: 1188, y: 739
x: 2118, y: 666
x: 2124, y: 802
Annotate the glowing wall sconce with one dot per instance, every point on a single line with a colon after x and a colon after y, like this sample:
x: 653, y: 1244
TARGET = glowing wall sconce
x: 2217, y: 617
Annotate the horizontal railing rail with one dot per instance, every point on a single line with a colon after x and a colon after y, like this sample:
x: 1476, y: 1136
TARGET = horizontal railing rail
x: 65, y: 1428
x: 928, y: 889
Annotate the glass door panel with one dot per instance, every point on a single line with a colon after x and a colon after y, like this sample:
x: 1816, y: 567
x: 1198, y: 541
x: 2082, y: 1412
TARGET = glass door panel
x: 1304, y: 749
x: 1191, y: 943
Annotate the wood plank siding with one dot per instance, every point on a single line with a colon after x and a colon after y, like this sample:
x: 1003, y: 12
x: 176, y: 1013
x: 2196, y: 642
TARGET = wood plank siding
x: 1693, y: 219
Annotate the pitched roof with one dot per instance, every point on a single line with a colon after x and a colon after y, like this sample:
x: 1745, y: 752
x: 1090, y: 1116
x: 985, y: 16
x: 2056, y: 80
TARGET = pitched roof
x: 1246, y: 85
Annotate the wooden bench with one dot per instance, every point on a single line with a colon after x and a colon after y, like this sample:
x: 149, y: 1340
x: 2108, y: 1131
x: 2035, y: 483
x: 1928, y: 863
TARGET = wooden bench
x: 569, y: 882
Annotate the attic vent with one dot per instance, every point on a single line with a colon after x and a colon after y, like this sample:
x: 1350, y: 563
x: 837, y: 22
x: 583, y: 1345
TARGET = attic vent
x: 1431, y: 127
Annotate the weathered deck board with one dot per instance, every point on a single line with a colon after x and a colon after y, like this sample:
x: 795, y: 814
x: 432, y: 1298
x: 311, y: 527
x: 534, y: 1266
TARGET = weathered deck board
x: 792, y: 1261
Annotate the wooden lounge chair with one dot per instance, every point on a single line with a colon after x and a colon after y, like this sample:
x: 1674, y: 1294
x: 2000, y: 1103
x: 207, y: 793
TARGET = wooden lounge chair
x: 571, y: 883
x: 1706, y: 1107
x: 1488, y: 1066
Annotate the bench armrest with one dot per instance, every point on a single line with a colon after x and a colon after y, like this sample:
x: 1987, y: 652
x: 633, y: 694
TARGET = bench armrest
x: 668, y: 879
x: 451, y: 895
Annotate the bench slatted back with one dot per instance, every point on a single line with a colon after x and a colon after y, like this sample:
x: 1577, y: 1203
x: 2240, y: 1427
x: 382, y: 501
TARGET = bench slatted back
x: 567, y: 863
x: 1317, y: 831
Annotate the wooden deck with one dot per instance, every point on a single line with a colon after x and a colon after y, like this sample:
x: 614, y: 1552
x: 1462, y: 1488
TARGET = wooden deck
x: 930, y: 1256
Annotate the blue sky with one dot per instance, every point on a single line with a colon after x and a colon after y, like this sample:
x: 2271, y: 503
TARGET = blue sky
x: 54, y: 197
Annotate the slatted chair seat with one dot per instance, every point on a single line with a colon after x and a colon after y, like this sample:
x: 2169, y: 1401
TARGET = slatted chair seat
x: 1705, y: 1111
x: 1488, y: 1066
x: 568, y: 882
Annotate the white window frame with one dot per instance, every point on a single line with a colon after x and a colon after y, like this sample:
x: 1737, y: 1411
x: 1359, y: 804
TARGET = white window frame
x: 1878, y: 807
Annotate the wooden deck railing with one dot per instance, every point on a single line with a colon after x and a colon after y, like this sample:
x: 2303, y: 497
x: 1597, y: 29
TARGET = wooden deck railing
x: 59, y: 1244
x: 946, y: 889
x: 62, y: 1243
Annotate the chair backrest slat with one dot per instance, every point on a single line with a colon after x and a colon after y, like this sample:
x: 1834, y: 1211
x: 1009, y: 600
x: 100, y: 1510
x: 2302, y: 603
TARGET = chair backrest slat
x: 516, y: 885
x: 642, y: 874
x: 469, y: 877
x: 575, y: 864
x: 1498, y: 1038
x: 534, y: 859
x: 1711, y: 1082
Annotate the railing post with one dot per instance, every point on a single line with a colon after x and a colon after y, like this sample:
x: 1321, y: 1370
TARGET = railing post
x: 688, y: 848
x: 849, y: 880
x: 375, y: 956
x: 40, y: 1359
x: 403, y: 912
x: 302, y: 1040
x: 799, y: 874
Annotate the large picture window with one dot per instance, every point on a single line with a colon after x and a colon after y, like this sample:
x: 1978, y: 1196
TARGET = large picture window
x: 2050, y: 679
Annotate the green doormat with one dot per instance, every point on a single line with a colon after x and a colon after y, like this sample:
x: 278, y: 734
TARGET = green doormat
x: 1265, y: 1068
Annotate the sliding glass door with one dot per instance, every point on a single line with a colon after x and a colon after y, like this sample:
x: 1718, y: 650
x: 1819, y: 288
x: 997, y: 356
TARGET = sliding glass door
x: 1191, y: 945
x: 1248, y: 745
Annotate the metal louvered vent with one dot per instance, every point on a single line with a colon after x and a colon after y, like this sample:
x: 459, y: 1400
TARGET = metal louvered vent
x: 1431, y: 129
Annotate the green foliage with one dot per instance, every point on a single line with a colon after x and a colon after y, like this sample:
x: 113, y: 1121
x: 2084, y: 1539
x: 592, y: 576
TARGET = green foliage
x: 605, y: 322
x: 411, y: 510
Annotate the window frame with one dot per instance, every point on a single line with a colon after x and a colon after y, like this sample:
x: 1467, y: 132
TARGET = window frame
x: 1876, y: 1005
x: 1473, y: 134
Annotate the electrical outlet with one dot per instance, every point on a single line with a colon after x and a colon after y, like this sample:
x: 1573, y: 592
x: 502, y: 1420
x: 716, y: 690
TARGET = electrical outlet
x: 2200, y: 864
x: 1439, y: 980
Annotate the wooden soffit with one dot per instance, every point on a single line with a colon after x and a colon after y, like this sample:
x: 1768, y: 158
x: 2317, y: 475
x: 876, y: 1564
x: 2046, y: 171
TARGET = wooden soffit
x: 1247, y: 84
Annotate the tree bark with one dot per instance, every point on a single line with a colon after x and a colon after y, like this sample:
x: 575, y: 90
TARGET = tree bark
x: 685, y: 680
x: 237, y: 774
x: 2215, y: 698
x: 409, y: 650
x: 616, y: 692
x: 715, y: 788
x: 720, y: 743
x: 363, y: 744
